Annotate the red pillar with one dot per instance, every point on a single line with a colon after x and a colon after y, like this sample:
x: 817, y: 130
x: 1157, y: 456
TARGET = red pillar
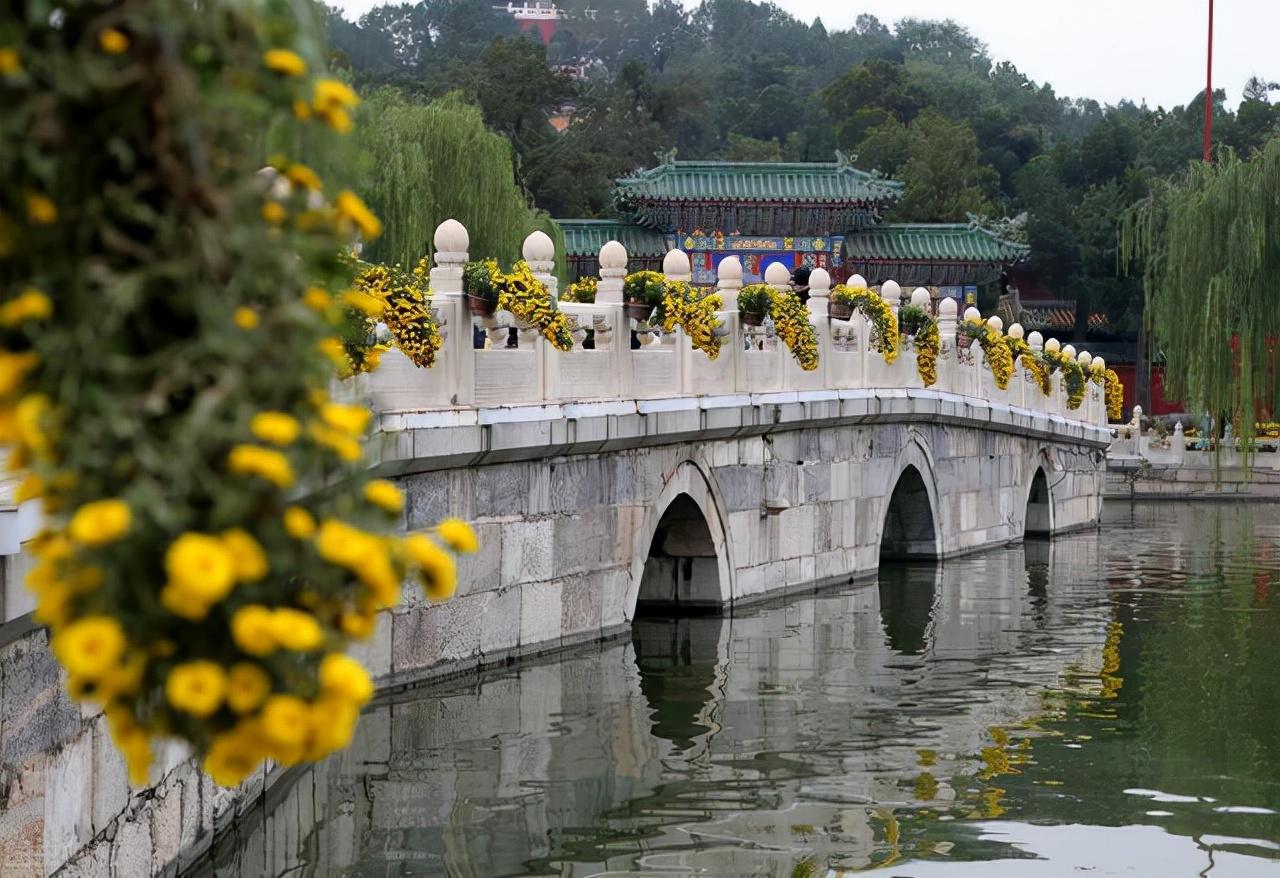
x: 1208, y: 94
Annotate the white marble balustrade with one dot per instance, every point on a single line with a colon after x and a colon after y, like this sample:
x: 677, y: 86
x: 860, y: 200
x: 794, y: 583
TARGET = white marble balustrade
x: 752, y: 360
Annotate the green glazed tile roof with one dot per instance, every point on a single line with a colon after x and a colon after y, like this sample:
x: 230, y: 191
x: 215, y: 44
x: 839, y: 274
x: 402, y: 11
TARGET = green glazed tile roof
x: 795, y: 182
x: 585, y: 237
x: 931, y: 242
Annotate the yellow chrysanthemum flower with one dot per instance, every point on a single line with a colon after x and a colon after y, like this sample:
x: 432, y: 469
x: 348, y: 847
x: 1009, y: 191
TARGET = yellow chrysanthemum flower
x: 369, y: 305
x: 458, y: 535
x: 341, y: 544
x: 333, y: 94
x: 182, y: 603
x: 338, y: 120
x: 301, y: 109
x: 384, y: 495
x: 32, y: 414
x: 41, y: 210
x: 298, y: 523
x: 247, y: 556
x: 197, y: 687
x: 14, y: 368
x: 284, y: 61
x: 30, y: 488
x: 113, y: 42
x: 359, y: 624
x: 248, y: 685
x: 262, y: 462
x: 278, y: 428
x: 301, y: 175
x: 274, y: 212
x: 89, y: 647
x: 439, y: 571
x: 350, y: 206
x: 100, y: 522
x: 333, y: 722
x: 286, y: 720
x: 31, y: 304
x: 10, y: 62
x: 339, y: 443
x: 201, y: 566
x: 234, y: 755
x: 246, y: 318
x: 350, y: 419
x: 252, y: 630
x: 345, y: 677
x: 317, y: 299
x: 296, y: 630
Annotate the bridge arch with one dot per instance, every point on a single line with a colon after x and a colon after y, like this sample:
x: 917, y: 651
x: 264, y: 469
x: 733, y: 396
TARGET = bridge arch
x: 911, y: 527
x: 1038, y: 508
x: 680, y: 557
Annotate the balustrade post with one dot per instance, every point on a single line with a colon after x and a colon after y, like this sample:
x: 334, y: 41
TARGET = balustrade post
x: 949, y: 356
x: 1019, y: 374
x: 891, y: 292
x: 613, y: 271
x: 1035, y: 341
x: 457, y: 363
x: 1083, y: 359
x: 1053, y: 346
x: 729, y: 281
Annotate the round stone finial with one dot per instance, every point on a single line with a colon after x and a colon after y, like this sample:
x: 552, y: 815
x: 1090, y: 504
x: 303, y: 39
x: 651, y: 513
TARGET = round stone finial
x: 1035, y: 339
x: 891, y: 291
x: 947, y: 308
x: 920, y: 298
x: 857, y: 282
x: 613, y: 255
x: 972, y: 315
x: 730, y: 268
x: 675, y: 263
x: 1069, y: 351
x: 1084, y: 358
x: 1016, y: 331
x: 819, y: 280
x: 451, y: 236
x: 995, y: 323
x: 776, y: 275
x: 538, y: 247
x: 1053, y: 345
x: 1098, y: 365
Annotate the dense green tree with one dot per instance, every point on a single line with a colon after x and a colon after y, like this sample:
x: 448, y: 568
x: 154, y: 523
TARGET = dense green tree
x: 944, y: 179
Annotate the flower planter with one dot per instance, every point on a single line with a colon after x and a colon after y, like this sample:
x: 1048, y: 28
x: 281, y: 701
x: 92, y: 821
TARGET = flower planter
x: 480, y: 306
x: 638, y: 311
x: 839, y: 310
x: 750, y: 318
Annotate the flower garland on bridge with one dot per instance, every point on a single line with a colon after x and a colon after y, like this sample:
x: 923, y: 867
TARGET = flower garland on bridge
x: 994, y: 350
x: 403, y: 303
x: 682, y: 304
x: 1072, y: 375
x: 191, y: 583
x: 1034, y: 368
x: 878, y: 311
x: 920, y: 324
x: 583, y: 290
x: 523, y: 295
x: 1112, y: 389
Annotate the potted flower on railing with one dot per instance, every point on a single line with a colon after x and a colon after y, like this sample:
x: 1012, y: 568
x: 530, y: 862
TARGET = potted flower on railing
x: 920, y: 325
x: 790, y: 319
x: 1034, y: 368
x: 884, y: 337
x: 582, y: 291
x: 402, y: 302
x: 641, y: 293
x: 520, y: 293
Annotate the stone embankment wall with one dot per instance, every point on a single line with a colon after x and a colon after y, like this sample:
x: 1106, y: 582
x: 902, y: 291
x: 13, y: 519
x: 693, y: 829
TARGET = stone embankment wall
x: 1129, y: 479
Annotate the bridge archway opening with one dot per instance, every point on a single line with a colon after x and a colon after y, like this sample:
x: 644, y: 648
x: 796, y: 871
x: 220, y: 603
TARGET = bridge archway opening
x: 1039, y: 509
x: 682, y: 572
x: 909, y: 531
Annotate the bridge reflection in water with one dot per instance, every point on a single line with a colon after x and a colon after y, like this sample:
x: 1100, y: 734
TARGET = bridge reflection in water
x: 818, y: 730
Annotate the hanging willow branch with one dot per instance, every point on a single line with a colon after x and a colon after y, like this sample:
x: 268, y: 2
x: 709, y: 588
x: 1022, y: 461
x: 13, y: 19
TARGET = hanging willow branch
x: 1208, y: 247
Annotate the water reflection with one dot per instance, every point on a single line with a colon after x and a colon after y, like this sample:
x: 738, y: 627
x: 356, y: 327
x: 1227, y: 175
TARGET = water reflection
x: 992, y: 715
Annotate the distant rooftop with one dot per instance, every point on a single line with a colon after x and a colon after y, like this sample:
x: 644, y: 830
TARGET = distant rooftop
x: 772, y: 182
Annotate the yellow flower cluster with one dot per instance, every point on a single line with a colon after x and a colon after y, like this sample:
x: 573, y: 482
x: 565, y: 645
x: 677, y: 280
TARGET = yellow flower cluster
x: 683, y: 306
x: 403, y: 302
x: 994, y: 350
x: 791, y: 321
x: 1072, y: 376
x: 1114, y: 392
x: 927, y: 341
x: 644, y: 288
x: 582, y: 290
x: 522, y: 294
x: 1032, y: 365
x: 878, y: 311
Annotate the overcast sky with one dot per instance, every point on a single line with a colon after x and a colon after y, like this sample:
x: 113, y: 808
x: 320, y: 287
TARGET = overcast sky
x: 1151, y: 50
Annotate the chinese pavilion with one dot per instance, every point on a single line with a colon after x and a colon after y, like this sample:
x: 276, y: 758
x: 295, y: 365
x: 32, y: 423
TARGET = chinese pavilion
x: 824, y: 214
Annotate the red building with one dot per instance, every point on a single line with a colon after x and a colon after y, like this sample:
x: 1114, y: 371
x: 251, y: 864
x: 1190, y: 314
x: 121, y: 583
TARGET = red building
x: 534, y: 16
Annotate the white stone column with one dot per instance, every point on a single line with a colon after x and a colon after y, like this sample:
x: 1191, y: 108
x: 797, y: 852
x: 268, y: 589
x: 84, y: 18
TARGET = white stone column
x: 675, y: 265
x: 729, y: 281
x: 891, y: 292
x: 921, y: 299
x: 451, y: 242
x: 613, y: 270
x: 540, y: 252
x: 819, y: 292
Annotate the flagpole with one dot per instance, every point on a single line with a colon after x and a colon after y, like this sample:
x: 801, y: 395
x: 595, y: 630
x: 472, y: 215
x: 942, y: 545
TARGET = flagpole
x: 1208, y: 94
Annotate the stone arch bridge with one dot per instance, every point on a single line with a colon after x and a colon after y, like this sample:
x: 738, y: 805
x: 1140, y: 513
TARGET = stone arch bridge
x: 615, y: 479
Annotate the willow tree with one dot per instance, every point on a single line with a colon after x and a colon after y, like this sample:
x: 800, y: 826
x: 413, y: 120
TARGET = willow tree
x: 1208, y: 246
x: 421, y: 163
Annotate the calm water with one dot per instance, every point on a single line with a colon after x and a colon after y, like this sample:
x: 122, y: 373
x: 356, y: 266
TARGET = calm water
x: 1108, y: 704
